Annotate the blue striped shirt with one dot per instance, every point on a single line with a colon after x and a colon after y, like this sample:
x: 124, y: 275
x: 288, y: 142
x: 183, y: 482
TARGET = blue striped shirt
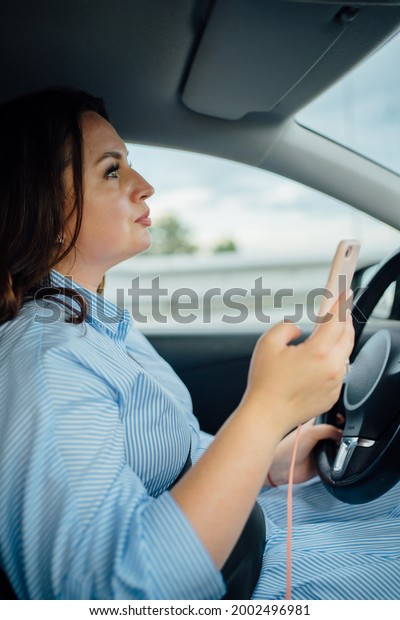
x: 339, y: 551
x: 94, y: 428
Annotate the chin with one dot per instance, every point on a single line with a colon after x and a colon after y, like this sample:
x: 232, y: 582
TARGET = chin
x: 144, y: 244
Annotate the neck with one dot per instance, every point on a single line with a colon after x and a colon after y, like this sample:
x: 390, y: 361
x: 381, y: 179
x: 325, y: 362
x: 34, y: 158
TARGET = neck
x: 89, y: 278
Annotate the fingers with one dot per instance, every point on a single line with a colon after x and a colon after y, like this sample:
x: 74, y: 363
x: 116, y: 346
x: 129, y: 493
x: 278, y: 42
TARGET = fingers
x: 307, y: 424
x: 333, y: 323
x: 320, y: 432
x: 337, y: 331
x: 345, y: 341
x: 340, y: 309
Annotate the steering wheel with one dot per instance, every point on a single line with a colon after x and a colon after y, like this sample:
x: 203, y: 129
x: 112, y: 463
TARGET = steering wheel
x: 367, y: 463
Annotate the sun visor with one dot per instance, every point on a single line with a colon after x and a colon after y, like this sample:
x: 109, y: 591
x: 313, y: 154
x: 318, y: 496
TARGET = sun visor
x: 247, y: 62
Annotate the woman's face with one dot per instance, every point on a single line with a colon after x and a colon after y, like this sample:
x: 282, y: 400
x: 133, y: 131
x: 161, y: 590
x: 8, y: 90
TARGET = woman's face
x: 115, y: 218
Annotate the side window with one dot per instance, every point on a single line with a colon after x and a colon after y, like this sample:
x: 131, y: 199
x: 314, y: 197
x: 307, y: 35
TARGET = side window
x: 234, y: 247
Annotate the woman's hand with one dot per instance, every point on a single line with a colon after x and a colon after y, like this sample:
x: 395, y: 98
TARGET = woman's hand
x: 304, y: 469
x: 289, y: 385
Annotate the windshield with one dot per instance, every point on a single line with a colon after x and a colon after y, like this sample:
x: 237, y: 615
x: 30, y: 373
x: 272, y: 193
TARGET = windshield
x: 362, y: 111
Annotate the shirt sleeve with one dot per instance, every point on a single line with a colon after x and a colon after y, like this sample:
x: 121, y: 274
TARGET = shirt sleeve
x: 90, y: 529
x: 205, y: 440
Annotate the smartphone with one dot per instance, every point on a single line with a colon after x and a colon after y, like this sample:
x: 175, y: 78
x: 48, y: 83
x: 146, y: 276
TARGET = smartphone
x: 341, y: 273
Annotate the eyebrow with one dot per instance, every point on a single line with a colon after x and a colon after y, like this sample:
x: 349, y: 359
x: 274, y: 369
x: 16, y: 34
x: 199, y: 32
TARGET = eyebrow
x: 110, y: 154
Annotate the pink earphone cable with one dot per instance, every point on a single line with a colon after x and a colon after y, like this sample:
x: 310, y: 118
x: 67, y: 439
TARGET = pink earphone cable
x: 289, y: 518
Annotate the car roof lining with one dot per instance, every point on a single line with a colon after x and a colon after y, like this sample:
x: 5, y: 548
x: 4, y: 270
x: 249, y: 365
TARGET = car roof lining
x: 254, y: 57
x: 93, y: 45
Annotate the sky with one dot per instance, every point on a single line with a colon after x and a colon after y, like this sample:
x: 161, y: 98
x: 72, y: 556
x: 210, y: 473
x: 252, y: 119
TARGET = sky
x: 264, y: 213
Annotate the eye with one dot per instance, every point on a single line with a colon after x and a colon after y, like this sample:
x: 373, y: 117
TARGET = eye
x: 112, y: 172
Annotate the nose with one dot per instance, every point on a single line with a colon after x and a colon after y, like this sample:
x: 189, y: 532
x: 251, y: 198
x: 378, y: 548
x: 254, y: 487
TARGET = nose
x: 142, y: 190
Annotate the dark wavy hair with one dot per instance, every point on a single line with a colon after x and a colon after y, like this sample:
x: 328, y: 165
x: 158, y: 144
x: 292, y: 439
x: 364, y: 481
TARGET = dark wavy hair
x: 40, y: 136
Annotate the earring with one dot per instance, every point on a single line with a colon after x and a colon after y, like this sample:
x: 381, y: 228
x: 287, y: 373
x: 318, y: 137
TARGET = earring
x: 60, y: 239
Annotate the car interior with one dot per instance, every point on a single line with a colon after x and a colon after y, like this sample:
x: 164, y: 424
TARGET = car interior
x: 227, y: 78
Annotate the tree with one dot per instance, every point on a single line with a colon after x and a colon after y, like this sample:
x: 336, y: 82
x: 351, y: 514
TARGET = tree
x: 225, y: 245
x: 170, y: 237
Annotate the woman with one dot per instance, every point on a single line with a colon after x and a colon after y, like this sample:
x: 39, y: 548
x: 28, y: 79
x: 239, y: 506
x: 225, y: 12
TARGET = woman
x: 97, y: 495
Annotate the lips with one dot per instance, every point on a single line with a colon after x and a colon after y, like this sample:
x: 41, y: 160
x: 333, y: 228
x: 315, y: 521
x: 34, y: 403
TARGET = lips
x: 144, y: 219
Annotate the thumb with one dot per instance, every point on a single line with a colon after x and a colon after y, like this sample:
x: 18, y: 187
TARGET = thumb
x: 283, y: 333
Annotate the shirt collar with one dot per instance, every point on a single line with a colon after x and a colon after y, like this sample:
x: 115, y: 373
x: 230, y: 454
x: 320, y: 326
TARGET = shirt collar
x: 102, y: 313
